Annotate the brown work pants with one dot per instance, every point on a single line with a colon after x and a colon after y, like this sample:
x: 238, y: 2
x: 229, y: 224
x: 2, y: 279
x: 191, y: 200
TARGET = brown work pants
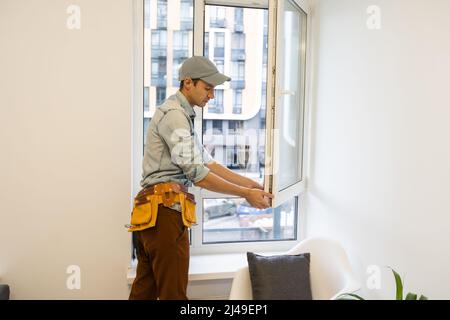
x: 163, y: 259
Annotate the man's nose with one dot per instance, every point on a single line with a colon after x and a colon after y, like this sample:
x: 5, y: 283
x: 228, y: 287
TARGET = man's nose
x: 211, y: 94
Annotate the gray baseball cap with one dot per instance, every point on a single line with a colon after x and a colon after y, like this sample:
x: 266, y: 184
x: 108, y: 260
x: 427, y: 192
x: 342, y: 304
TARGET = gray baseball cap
x: 198, y: 67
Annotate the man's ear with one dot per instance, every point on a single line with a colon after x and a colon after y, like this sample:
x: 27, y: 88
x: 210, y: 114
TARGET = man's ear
x: 188, y: 83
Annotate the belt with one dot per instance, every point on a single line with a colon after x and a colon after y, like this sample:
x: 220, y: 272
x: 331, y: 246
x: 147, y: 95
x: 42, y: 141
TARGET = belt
x: 167, y: 190
x: 145, y: 209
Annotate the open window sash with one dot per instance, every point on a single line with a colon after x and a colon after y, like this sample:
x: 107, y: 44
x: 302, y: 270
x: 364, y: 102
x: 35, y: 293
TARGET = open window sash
x: 284, y: 176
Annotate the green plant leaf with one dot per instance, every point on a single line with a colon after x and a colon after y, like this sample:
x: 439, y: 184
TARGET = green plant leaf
x: 354, y: 296
x: 422, y: 297
x: 398, y: 284
x: 411, y: 296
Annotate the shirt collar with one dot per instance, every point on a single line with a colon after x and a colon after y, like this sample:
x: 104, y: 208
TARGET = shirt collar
x: 185, y: 104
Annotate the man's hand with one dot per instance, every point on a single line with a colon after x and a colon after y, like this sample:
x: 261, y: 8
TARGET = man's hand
x: 258, y: 198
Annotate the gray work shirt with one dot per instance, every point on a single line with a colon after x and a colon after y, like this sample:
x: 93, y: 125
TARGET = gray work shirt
x: 173, y: 152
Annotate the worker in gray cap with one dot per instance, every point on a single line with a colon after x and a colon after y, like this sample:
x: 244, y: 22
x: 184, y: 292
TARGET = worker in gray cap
x: 174, y: 159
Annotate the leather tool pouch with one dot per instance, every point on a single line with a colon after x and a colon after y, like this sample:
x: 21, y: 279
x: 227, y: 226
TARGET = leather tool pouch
x: 145, y: 209
x: 144, y: 214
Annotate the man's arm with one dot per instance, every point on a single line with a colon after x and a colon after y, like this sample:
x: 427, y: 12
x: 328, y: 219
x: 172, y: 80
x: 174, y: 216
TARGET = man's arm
x: 256, y: 197
x: 233, y: 177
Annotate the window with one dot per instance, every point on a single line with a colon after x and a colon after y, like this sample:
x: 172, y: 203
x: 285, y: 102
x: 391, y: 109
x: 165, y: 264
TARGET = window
x: 238, y: 19
x: 156, y: 44
x: 219, y: 45
x: 234, y: 220
x: 234, y: 122
x: 235, y: 126
x: 239, y: 70
x: 219, y: 64
x: 217, y: 15
x: 159, y: 38
x: 186, y: 14
x: 162, y: 14
x: 287, y: 126
x: 238, y: 75
x: 159, y: 75
x: 159, y: 44
x: 216, y: 104
x: 217, y: 127
x: 175, y: 71
x: 238, y: 46
x: 180, y: 52
x: 237, y: 101
x: 180, y: 40
x: 206, y: 45
x: 160, y: 95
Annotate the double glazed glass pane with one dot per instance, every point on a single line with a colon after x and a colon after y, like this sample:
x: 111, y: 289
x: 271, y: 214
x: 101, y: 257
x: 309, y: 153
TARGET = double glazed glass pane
x: 290, y: 85
x: 237, y: 47
x: 167, y: 43
x: 234, y: 220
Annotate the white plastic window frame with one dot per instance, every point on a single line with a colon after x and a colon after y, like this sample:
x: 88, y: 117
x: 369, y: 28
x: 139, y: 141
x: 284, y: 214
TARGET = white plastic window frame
x: 273, y: 105
x: 197, y: 247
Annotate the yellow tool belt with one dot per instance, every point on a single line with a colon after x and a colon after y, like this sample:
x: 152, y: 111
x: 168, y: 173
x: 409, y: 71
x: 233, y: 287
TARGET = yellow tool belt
x: 145, y: 208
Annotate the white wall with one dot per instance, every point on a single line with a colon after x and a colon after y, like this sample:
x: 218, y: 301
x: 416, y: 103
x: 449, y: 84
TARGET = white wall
x: 379, y: 178
x: 65, y: 137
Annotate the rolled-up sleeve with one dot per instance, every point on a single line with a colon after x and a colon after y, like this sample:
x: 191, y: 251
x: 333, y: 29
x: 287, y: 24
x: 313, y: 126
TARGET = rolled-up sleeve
x: 185, y: 150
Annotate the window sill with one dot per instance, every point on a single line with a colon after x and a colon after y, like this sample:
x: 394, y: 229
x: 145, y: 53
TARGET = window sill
x: 209, y: 266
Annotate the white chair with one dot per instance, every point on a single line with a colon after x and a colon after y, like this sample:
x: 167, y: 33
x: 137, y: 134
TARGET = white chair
x: 330, y: 271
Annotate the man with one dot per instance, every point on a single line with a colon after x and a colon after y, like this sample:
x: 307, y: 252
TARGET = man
x: 173, y: 159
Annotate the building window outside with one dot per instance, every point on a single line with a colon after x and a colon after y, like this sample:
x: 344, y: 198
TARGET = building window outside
x: 220, y: 65
x: 206, y: 45
x: 238, y: 47
x: 239, y: 19
x: 217, y: 127
x: 159, y: 75
x: 219, y: 45
x: 235, y: 126
x: 238, y: 75
x: 217, y: 17
x: 216, y: 104
x: 160, y: 95
x: 237, y: 101
x: 186, y: 14
x: 161, y: 20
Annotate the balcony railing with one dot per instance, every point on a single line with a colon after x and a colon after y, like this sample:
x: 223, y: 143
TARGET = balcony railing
x: 161, y: 23
x: 237, y: 54
x: 218, y: 23
x: 180, y: 53
x: 159, y: 51
x: 213, y: 108
x: 186, y: 24
x: 237, y: 84
x: 159, y: 80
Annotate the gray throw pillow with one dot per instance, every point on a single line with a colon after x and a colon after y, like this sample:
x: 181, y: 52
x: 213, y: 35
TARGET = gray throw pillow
x: 282, y: 277
x: 4, y: 292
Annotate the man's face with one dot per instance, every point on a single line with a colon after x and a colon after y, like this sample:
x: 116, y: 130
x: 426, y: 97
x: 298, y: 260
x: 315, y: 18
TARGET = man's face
x: 199, y: 94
